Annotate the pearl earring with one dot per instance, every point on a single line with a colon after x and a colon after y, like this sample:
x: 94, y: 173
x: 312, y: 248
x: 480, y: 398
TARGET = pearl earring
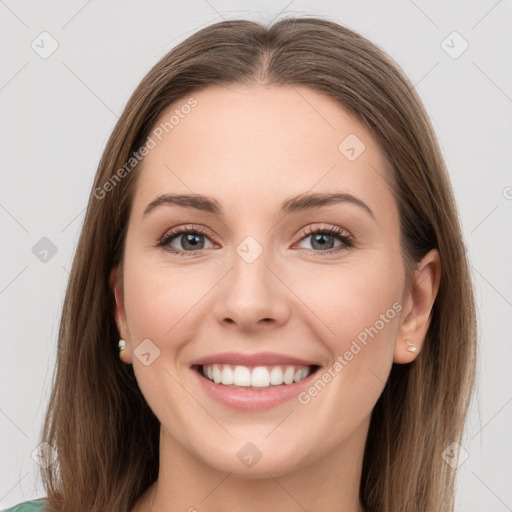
x: 411, y: 347
x: 122, y: 345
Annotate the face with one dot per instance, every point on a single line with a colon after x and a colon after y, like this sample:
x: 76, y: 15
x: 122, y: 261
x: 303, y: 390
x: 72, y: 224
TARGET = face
x: 319, y: 281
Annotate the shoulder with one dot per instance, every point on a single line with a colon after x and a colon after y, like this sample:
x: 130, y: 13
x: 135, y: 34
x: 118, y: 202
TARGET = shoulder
x: 38, y: 505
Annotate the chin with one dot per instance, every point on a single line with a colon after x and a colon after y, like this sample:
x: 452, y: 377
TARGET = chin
x: 250, y: 463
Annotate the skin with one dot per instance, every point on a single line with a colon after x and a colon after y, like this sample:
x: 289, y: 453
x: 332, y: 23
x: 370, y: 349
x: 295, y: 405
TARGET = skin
x: 251, y: 148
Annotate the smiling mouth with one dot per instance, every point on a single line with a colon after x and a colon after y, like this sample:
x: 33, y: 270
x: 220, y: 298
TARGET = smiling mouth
x: 255, y: 378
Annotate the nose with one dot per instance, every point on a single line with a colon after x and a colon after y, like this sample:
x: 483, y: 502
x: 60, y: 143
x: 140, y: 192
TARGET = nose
x: 252, y: 295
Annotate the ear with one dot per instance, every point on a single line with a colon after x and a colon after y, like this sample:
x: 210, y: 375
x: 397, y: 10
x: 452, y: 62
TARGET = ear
x: 418, y: 307
x: 116, y: 285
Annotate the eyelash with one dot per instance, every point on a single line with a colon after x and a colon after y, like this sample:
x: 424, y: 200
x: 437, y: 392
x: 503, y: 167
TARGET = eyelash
x: 347, y: 240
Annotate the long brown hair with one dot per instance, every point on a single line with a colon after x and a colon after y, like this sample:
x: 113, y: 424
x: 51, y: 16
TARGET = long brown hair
x: 106, y: 436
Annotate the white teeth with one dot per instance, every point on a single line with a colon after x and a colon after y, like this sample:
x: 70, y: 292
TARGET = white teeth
x: 242, y: 376
x: 288, y: 375
x: 258, y: 376
x: 217, y: 374
x: 227, y: 376
x: 300, y: 374
x: 276, y: 376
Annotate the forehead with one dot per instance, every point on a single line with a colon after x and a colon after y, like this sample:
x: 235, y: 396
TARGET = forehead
x: 248, y: 144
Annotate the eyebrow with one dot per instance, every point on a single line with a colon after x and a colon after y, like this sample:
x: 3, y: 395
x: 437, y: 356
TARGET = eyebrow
x: 296, y: 204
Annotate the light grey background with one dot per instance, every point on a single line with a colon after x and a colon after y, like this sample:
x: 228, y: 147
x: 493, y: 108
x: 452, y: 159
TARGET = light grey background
x: 56, y: 116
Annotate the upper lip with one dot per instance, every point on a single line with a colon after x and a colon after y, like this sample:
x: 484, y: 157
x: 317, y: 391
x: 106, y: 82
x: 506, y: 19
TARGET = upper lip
x: 257, y: 359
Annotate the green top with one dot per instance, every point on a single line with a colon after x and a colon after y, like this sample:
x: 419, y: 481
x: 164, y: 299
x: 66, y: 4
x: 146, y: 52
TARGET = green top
x: 38, y: 505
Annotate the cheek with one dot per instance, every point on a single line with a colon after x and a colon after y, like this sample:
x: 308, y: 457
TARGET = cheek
x: 160, y: 304
x: 357, y: 303
x: 359, y: 309
x: 160, y: 300
x: 150, y: 303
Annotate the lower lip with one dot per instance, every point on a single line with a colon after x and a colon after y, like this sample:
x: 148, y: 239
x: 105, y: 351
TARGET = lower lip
x: 250, y: 399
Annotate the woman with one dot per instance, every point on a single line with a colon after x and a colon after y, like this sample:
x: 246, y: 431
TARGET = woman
x: 317, y: 352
